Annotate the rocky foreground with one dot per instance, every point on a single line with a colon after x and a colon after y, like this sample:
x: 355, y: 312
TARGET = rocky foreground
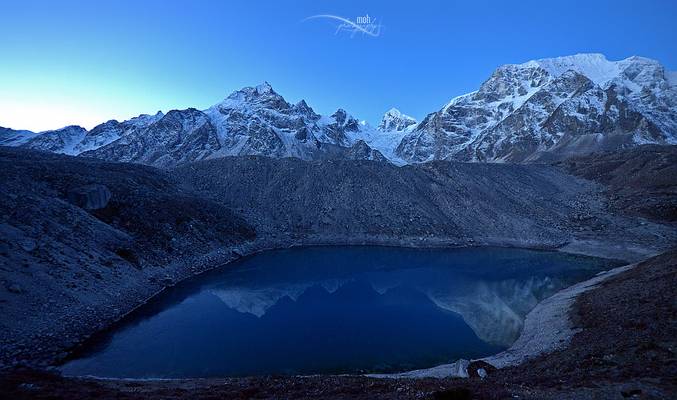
x: 83, y: 242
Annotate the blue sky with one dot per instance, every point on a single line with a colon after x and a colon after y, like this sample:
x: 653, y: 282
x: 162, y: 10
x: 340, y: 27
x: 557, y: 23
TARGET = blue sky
x: 78, y: 62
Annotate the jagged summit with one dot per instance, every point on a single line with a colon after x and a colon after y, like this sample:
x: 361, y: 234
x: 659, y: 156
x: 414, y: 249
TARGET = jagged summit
x: 594, y: 66
x: 254, y: 96
x: 63, y: 140
x: 264, y: 88
x: 394, y: 120
x: 550, y: 108
x: 254, y: 120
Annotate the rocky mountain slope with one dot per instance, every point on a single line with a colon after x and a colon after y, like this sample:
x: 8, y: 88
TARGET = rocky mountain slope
x: 11, y: 137
x: 550, y: 109
x: 394, y: 120
x: 64, y: 140
x: 83, y: 241
x: 436, y: 203
x: 541, y: 110
x: 638, y: 181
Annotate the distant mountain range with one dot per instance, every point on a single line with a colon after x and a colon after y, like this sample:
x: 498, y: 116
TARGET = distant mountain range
x: 541, y: 110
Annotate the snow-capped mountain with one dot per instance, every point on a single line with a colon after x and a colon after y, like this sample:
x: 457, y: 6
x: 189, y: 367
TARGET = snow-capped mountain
x: 113, y: 130
x: 387, y: 136
x: 394, y: 120
x: 251, y: 121
x: 12, y: 137
x: 64, y: 140
x: 551, y: 108
x: 536, y: 111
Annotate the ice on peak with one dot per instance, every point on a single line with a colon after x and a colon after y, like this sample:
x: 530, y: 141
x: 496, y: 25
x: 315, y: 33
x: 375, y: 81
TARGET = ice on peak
x: 639, y: 59
x: 264, y: 88
x: 394, y: 120
x: 157, y: 115
x: 303, y: 107
x: 594, y: 66
x: 576, y: 59
x: 341, y: 116
x: 248, y: 91
x: 394, y: 112
x: 523, y: 100
x: 67, y: 129
x: 74, y: 127
x: 260, y: 95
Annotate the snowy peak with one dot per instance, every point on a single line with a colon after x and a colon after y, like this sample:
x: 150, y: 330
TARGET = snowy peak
x: 113, y: 130
x: 302, y: 108
x: 345, y: 121
x: 259, y: 96
x: 11, y: 137
x: 62, y: 140
x: 394, y: 120
x: 602, y: 72
x: 594, y: 66
x: 264, y: 88
x: 551, y: 108
x: 146, y: 119
x: 511, y: 81
x: 250, y: 121
x: 68, y: 129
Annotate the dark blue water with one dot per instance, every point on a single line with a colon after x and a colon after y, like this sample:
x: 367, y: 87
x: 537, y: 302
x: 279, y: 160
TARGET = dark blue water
x: 334, y: 310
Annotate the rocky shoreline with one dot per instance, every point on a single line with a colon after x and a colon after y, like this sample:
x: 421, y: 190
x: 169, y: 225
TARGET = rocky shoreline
x: 55, y: 349
x: 59, y: 348
x: 645, y: 371
x: 547, y: 328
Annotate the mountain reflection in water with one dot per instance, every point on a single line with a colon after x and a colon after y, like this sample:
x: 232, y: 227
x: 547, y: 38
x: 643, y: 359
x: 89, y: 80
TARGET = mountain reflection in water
x: 335, y: 310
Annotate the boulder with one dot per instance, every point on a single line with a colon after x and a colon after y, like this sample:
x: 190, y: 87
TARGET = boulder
x: 90, y: 197
x: 480, y: 369
x: 14, y: 288
x: 27, y: 245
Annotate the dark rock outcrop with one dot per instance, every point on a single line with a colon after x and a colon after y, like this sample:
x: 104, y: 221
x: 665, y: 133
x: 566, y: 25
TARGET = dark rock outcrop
x: 480, y: 369
x: 89, y: 197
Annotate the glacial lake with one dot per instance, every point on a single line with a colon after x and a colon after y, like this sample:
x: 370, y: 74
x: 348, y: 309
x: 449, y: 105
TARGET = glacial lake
x: 334, y: 310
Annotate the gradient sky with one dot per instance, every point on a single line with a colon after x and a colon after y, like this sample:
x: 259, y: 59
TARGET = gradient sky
x: 84, y: 62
